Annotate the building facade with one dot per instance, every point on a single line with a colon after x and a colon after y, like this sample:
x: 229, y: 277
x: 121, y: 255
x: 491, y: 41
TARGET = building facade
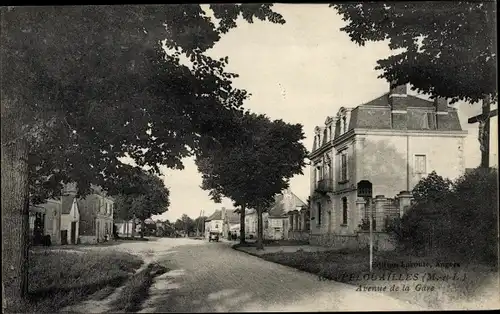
x: 277, y: 221
x: 214, y: 223
x: 96, y: 216
x: 45, y: 220
x: 392, y: 142
x: 70, y: 219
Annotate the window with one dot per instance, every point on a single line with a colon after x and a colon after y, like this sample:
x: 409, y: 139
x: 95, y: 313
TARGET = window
x: 319, y: 175
x: 330, y: 135
x: 344, y: 124
x: 420, y: 164
x: 216, y: 226
x: 344, y: 210
x: 319, y: 213
x: 429, y: 120
x: 343, y: 166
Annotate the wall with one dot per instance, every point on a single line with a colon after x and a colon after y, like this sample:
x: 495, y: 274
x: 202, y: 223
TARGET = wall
x: 353, y: 215
x: 385, y: 158
x: 87, y: 207
x: 52, y: 223
x: 381, y: 241
x: 298, y: 235
x: 273, y: 234
x: 214, y: 226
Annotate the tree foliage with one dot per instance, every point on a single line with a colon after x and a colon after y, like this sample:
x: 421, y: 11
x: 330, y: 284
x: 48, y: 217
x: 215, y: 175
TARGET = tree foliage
x: 461, y: 223
x: 140, y: 194
x: 431, y: 188
x: 96, y: 79
x: 257, y: 165
x: 446, y: 49
x: 83, y: 86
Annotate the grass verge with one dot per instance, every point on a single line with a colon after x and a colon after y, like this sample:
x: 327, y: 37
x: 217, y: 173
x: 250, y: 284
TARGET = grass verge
x: 58, y: 278
x: 136, y: 289
x: 428, y: 281
x: 273, y: 243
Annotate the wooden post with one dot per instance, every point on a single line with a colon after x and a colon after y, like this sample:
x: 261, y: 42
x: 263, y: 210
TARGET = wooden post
x: 371, y: 237
x: 484, y: 130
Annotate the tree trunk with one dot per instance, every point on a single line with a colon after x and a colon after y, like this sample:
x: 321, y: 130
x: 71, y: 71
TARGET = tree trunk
x: 142, y: 228
x: 260, y: 243
x: 242, y: 225
x: 133, y: 227
x: 484, y: 133
x: 15, y: 213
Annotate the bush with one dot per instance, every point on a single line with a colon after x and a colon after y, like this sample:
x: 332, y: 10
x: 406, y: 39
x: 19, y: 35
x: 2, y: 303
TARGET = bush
x: 460, y: 220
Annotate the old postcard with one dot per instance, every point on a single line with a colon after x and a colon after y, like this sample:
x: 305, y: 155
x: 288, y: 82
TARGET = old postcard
x: 250, y: 157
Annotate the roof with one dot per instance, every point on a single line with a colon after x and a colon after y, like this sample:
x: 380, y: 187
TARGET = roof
x: 285, y: 202
x: 217, y: 215
x: 67, y: 203
x: 232, y: 216
x: 376, y: 114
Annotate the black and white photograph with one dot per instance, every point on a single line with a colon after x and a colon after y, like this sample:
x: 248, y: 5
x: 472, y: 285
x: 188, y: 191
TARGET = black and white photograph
x: 249, y: 157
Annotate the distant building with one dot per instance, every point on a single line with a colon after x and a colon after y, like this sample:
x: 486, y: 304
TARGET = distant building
x: 45, y: 220
x: 214, y: 223
x: 277, y: 222
x: 70, y: 219
x: 96, y: 216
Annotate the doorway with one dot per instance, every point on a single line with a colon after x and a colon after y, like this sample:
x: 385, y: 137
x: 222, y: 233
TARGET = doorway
x: 329, y: 221
x: 73, y: 232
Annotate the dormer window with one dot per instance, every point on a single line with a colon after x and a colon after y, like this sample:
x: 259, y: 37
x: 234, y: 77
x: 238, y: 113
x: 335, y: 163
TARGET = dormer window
x: 343, y: 116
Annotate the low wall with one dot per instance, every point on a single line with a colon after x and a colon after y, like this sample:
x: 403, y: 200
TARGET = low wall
x: 381, y: 241
x: 298, y: 235
x: 88, y: 239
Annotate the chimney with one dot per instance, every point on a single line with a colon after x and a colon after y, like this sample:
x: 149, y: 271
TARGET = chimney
x: 441, y: 105
x: 397, y: 97
x: 69, y: 188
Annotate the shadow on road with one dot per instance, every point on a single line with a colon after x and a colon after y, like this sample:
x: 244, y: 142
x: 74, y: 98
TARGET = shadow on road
x: 215, y: 278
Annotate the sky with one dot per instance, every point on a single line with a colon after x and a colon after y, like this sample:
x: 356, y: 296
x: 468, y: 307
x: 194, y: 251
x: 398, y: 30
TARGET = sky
x: 301, y: 72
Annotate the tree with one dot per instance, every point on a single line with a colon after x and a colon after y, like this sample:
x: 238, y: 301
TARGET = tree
x: 140, y: 195
x: 187, y: 224
x: 256, y: 166
x: 431, y: 188
x: 199, y: 224
x: 89, y: 85
x: 446, y: 49
x: 179, y: 225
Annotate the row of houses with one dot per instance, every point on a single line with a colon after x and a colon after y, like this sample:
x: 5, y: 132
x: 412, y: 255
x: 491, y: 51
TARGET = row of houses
x: 277, y: 221
x: 72, y: 220
x: 364, y: 162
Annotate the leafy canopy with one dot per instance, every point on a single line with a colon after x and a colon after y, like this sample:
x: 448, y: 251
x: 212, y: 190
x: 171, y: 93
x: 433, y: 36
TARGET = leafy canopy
x: 448, y: 48
x: 431, y: 188
x: 140, y: 194
x: 257, y: 165
x: 91, y: 84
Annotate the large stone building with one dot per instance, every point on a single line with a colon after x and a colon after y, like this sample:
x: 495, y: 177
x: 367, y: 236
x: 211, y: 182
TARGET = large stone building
x: 392, y: 142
